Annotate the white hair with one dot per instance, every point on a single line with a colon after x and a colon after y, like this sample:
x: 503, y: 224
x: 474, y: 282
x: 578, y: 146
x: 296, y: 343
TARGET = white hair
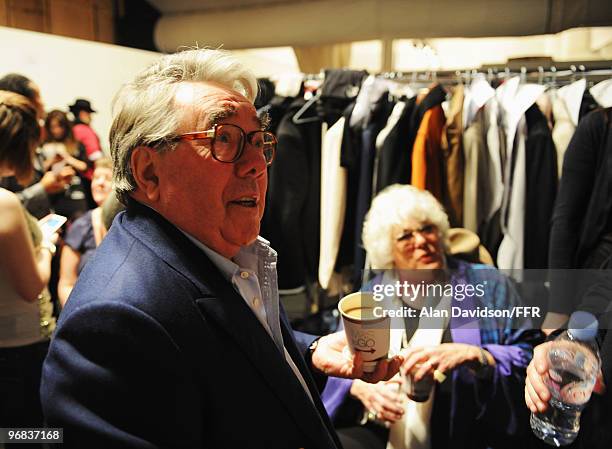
x: 393, y: 207
x: 144, y: 110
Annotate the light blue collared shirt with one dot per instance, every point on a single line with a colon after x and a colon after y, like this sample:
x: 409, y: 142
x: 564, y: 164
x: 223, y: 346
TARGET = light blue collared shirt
x: 253, y: 275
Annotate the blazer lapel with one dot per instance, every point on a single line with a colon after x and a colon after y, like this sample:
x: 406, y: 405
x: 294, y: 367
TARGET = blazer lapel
x: 298, y: 359
x: 221, y: 303
x: 234, y: 316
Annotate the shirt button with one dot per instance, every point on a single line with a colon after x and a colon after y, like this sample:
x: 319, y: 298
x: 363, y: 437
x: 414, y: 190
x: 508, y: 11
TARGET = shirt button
x: 244, y: 275
x: 256, y: 301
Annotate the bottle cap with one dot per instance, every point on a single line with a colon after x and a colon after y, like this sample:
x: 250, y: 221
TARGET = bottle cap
x: 583, y: 326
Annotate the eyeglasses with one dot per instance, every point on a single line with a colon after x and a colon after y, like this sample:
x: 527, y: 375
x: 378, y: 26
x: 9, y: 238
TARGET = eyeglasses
x: 428, y: 231
x: 228, y: 142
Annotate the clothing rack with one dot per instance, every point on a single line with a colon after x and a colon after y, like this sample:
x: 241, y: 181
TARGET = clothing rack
x: 554, y: 74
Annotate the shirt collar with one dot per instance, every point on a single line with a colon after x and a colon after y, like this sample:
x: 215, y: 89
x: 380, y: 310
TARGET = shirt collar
x: 247, y: 257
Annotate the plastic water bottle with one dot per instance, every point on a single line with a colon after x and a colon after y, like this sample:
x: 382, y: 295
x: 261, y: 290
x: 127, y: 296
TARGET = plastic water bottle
x: 573, y: 366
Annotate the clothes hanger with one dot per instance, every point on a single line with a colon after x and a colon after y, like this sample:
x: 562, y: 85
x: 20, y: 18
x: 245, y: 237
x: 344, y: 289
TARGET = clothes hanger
x: 316, y: 83
x: 297, y: 117
x: 523, y: 75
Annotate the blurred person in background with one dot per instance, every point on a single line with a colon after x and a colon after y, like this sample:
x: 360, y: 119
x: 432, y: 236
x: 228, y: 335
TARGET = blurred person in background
x: 84, y: 133
x: 62, y: 149
x: 86, y: 233
x: 36, y: 196
x: 26, y: 322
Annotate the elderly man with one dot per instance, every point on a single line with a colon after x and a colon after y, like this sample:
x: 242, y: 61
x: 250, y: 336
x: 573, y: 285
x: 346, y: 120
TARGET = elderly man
x: 173, y: 336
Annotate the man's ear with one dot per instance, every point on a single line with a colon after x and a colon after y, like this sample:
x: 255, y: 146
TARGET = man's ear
x: 145, y: 163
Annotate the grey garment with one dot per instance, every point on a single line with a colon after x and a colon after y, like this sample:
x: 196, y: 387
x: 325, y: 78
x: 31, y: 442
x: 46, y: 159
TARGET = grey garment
x: 454, y: 160
x: 476, y: 194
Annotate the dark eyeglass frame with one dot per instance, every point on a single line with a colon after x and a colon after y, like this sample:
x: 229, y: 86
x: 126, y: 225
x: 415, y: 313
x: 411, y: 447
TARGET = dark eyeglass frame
x: 211, y: 134
x: 427, y: 231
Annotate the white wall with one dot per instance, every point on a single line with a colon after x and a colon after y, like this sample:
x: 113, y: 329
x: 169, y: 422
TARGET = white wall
x: 66, y: 69
x: 578, y: 44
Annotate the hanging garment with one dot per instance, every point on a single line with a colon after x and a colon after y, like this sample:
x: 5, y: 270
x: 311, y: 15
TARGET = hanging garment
x: 572, y: 95
x: 490, y: 232
x: 392, y: 121
x: 375, y: 122
x: 566, y: 112
x: 514, y: 101
x: 454, y: 161
x: 427, y: 157
x: 395, y: 155
x: 291, y: 219
x: 588, y: 105
x: 474, y: 146
x: 602, y: 93
x: 510, y: 253
x: 371, y: 91
x: 562, y: 132
x: 351, y: 140
x: 541, y: 188
x: 395, y: 165
x: 474, y: 150
x: 333, y: 201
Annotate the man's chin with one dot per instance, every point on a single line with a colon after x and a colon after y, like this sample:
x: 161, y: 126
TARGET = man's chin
x: 242, y: 238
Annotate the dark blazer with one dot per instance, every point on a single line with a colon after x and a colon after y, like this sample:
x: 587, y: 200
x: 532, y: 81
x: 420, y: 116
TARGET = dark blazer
x: 156, y: 349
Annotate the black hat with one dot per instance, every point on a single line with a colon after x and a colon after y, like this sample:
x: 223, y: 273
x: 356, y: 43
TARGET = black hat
x: 81, y: 105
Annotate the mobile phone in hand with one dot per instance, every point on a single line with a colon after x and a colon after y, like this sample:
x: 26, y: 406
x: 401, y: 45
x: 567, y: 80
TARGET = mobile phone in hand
x: 50, y: 224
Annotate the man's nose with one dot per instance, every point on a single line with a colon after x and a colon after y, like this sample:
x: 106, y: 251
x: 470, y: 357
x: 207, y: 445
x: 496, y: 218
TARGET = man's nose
x: 251, y: 163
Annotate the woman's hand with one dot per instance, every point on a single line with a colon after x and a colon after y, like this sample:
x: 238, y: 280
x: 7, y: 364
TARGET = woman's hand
x: 384, y: 399
x: 424, y: 360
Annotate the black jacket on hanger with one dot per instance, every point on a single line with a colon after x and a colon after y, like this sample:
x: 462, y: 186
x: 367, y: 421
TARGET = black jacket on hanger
x: 370, y: 130
x: 291, y: 218
x: 395, y: 158
x: 541, y: 188
x: 291, y: 221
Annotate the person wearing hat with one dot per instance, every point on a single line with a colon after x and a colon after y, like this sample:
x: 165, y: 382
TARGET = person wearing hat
x: 82, y: 110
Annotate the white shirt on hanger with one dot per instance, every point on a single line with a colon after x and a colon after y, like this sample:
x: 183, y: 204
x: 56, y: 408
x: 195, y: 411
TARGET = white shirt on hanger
x: 333, y: 199
x: 515, y: 99
x: 602, y: 93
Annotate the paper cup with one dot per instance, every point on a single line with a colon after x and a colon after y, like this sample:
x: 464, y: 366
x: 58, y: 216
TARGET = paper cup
x: 365, y: 332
